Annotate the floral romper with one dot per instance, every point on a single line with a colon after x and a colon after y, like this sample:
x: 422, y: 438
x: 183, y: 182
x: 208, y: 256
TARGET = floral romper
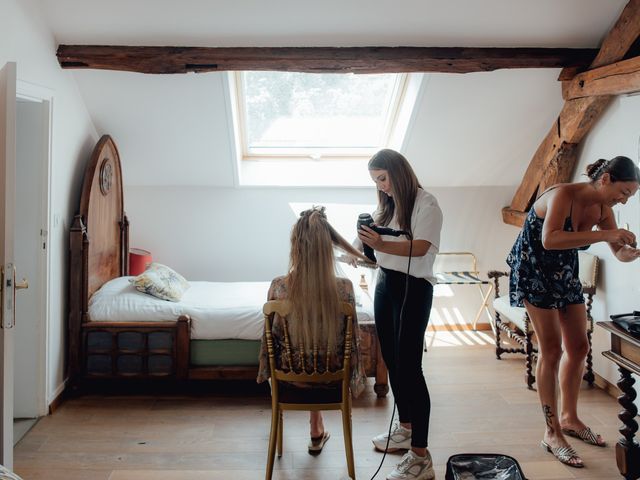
x: 544, y: 278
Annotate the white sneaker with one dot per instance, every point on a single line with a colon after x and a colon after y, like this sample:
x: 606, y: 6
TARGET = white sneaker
x: 413, y: 467
x: 400, y: 439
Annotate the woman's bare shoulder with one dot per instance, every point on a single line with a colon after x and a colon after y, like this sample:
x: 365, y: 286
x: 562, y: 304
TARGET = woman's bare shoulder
x: 559, y: 193
x: 561, y: 189
x: 278, y: 288
x: 345, y: 288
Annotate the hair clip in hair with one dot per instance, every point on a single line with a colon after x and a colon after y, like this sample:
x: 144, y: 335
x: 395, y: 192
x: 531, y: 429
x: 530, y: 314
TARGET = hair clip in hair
x: 315, y: 209
x: 601, y: 168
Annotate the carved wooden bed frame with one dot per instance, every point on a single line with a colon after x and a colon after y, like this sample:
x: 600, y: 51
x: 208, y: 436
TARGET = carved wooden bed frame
x: 99, y: 246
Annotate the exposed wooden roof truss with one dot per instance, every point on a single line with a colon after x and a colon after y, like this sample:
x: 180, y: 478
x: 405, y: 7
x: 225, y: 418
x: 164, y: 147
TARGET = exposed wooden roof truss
x: 587, y: 85
x: 586, y: 96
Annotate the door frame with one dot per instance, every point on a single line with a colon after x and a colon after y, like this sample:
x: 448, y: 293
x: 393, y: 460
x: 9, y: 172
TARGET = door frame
x: 37, y: 93
x: 7, y: 209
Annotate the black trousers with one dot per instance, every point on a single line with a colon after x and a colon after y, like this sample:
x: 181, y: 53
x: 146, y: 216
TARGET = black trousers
x: 401, y: 345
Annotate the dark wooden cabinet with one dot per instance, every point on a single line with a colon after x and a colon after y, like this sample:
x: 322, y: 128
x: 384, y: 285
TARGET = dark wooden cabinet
x: 625, y: 353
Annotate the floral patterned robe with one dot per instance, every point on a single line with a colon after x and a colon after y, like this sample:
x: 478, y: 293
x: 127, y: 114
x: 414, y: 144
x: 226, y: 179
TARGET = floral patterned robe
x: 278, y: 291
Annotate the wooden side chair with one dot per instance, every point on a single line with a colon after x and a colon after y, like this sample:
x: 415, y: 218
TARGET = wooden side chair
x: 515, y: 323
x: 287, y: 397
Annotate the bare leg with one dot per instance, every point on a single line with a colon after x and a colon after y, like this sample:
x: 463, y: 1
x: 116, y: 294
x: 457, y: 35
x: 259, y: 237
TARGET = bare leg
x: 573, y: 324
x: 421, y: 452
x: 546, y: 324
x: 316, y: 425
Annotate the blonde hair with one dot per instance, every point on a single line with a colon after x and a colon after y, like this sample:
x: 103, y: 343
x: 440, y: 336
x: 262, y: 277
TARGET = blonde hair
x: 312, y: 285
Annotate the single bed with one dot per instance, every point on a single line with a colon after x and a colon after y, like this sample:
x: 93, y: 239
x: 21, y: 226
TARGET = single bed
x: 117, y: 332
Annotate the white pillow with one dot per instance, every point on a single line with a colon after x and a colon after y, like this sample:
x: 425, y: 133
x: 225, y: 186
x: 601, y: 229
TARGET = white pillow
x: 161, y: 282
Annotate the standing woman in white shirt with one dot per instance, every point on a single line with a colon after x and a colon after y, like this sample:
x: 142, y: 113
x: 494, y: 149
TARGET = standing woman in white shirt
x: 404, y: 205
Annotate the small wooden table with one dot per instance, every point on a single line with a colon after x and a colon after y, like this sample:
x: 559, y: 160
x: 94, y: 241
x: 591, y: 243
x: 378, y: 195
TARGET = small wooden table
x: 371, y: 357
x: 625, y: 352
x: 370, y: 353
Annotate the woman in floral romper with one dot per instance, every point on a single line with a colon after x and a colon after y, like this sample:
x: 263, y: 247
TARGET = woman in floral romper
x: 544, y: 279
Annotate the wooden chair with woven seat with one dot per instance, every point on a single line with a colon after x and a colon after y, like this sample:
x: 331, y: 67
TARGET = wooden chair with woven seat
x: 332, y: 391
x: 515, y: 322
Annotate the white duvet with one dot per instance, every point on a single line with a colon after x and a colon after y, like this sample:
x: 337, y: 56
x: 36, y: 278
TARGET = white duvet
x: 218, y: 310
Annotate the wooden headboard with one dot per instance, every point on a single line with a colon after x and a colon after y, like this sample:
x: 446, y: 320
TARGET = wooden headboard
x: 99, y: 236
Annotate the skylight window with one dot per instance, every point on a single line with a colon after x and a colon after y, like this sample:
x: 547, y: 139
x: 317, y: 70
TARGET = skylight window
x: 317, y: 116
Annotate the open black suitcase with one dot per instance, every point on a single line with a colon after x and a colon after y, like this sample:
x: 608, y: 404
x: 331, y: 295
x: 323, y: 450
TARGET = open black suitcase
x: 494, y: 466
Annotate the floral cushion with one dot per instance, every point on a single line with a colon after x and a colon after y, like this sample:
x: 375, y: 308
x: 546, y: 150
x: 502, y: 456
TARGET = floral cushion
x: 5, y: 474
x: 161, y: 282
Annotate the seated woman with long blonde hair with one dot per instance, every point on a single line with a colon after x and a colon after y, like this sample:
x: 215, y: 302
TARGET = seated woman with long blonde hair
x: 315, y: 293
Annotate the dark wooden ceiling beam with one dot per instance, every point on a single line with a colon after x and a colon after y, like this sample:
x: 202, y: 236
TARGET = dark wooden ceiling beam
x: 513, y: 217
x: 561, y: 168
x: 618, y: 42
x: 319, y: 59
x: 576, y: 118
x: 616, y: 79
x: 621, y: 37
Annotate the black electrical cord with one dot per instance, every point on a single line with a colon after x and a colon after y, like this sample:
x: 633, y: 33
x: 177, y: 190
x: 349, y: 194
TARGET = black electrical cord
x: 404, y: 301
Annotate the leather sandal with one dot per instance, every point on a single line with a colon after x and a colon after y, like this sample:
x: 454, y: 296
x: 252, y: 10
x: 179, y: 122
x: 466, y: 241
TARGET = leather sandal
x: 566, y: 455
x: 316, y: 443
x: 586, y: 435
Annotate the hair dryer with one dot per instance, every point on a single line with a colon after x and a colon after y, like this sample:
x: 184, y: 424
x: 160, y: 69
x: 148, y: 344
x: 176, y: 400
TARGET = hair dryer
x: 367, y: 219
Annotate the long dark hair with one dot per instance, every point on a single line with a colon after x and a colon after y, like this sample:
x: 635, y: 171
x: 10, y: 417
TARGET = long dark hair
x: 620, y: 169
x: 404, y: 184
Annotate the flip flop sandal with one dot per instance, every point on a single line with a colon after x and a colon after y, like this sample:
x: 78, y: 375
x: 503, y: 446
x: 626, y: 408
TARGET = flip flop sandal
x: 316, y: 443
x: 586, y: 435
x: 564, y: 454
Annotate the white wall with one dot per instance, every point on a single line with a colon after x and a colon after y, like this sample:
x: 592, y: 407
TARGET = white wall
x: 25, y: 39
x: 291, y: 23
x: 170, y: 129
x: 480, y: 128
x: 616, y: 133
x: 226, y: 234
x: 174, y: 129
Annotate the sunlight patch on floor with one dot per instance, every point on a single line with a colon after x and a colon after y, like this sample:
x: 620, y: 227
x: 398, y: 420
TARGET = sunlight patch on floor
x: 447, y: 316
x: 457, y: 338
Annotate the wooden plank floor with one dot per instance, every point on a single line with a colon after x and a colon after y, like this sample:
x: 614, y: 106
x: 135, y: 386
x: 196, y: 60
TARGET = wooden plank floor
x: 479, y: 404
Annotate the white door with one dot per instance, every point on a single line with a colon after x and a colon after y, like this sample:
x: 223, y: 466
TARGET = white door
x: 7, y: 208
x: 30, y: 257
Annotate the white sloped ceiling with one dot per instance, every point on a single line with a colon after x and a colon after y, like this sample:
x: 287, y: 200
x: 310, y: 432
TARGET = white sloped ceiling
x: 473, y: 129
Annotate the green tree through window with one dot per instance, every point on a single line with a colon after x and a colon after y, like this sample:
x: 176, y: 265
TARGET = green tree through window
x: 312, y: 112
